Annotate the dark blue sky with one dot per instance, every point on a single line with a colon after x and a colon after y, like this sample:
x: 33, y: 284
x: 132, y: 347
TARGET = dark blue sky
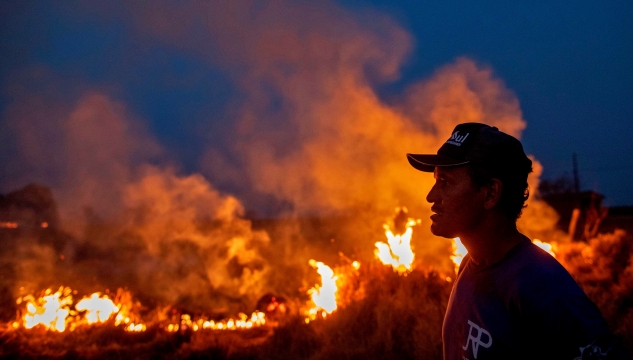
x: 570, y: 64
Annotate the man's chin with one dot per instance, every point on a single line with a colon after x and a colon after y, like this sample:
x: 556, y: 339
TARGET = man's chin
x: 441, y: 231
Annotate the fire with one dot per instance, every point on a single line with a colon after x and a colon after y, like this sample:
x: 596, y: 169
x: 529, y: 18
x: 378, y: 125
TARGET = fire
x: 459, y: 251
x: 50, y: 310
x: 243, y: 321
x: 323, y: 296
x: 397, y: 252
x: 545, y: 246
x: 54, y: 312
x: 97, y: 309
x: 129, y: 324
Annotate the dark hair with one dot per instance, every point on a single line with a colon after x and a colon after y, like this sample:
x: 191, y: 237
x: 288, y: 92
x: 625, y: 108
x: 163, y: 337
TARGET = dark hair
x: 515, y: 187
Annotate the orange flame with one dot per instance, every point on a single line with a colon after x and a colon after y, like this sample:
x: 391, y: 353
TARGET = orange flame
x: 53, y: 311
x: 50, y: 310
x: 243, y: 321
x: 98, y: 309
x: 323, y: 296
x: 397, y: 251
x: 548, y: 247
x: 459, y: 251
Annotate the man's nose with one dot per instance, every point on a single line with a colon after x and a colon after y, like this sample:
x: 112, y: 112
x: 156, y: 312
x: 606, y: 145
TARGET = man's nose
x: 431, y: 197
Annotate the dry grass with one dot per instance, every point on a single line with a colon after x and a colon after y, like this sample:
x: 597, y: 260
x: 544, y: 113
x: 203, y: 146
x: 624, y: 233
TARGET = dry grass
x: 390, y: 317
x: 399, y: 317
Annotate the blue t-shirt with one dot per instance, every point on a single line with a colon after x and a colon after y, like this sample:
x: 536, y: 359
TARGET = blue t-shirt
x: 526, y: 306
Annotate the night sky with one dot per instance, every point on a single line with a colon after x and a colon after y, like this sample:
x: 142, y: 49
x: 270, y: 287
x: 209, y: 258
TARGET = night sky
x: 569, y: 64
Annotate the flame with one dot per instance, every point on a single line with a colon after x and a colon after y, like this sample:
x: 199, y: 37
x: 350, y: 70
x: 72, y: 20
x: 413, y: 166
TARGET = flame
x: 53, y: 311
x: 459, y: 251
x: 50, y: 310
x: 243, y: 321
x: 98, y: 309
x: 323, y: 296
x: 397, y: 251
x: 126, y: 316
x: 549, y: 247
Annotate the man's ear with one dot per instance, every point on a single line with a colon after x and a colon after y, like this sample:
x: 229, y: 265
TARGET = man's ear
x: 493, y: 194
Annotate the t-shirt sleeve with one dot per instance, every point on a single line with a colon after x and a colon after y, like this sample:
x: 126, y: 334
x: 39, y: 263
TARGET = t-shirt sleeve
x: 571, y: 327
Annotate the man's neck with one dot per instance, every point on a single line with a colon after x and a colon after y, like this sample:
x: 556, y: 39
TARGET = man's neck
x: 492, y: 240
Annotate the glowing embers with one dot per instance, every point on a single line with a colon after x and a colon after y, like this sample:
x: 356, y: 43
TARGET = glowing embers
x: 323, y: 296
x: 243, y: 321
x: 8, y: 225
x: 397, y: 252
x: 274, y: 307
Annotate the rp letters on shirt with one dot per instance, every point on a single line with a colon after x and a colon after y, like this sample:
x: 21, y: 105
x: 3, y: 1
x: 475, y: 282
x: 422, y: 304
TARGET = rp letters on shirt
x: 477, y: 336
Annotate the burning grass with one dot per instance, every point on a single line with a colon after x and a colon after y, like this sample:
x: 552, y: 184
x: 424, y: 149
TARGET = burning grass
x: 381, y: 314
x: 397, y: 317
x: 353, y: 307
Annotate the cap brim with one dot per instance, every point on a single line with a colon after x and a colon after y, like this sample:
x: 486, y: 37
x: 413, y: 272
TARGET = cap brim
x: 428, y: 162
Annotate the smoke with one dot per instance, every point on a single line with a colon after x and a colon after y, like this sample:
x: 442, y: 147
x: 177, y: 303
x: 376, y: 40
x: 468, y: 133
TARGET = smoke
x: 85, y: 146
x: 132, y: 219
x: 308, y: 135
x: 538, y: 220
x: 206, y: 249
x: 328, y: 144
x: 312, y: 131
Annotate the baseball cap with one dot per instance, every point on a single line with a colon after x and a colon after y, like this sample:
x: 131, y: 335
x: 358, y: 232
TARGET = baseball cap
x: 475, y: 143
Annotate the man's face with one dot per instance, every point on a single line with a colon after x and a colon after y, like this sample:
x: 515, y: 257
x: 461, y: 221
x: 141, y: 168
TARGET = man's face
x: 458, y: 205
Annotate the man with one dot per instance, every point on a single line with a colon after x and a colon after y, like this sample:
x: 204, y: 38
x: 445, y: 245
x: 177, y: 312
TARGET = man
x: 511, y: 300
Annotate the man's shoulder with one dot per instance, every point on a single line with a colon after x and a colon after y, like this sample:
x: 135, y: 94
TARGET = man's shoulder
x: 537, y: 274
x: 525, y: 271
x: 528, y: 255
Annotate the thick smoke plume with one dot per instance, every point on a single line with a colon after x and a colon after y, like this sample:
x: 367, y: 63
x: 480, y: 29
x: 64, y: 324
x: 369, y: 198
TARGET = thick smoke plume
x: 171, y: 238
x: 313, y: 132
x: 205, y: 247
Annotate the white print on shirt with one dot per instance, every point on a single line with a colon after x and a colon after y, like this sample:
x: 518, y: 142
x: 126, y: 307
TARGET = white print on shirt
x: 475, y: 339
